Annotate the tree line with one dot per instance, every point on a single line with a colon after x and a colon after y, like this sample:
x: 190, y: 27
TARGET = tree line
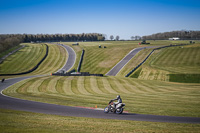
x: 183, y: 35
x: 8, y: 41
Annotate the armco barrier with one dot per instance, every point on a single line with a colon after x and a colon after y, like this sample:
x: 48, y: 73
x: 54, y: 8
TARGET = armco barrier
x: 134, y: 69
x: 34, y: 68
x: 81, y: 60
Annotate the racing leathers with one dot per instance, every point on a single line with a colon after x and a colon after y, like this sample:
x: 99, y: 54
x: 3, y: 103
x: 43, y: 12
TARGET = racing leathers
x: 119, y: 100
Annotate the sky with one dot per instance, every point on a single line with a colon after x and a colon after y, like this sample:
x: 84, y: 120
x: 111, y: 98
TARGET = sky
x: 124, y: 18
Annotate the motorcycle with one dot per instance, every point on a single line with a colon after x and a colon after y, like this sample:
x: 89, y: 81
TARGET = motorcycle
x: 110, y: 108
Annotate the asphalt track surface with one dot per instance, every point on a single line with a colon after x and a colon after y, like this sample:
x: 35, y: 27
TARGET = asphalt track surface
x: 116, y: 69
x: 71, y: 58
x: 7, y: 102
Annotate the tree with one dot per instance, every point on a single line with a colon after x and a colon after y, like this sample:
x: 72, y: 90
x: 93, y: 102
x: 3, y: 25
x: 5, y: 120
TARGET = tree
x: 132, y: 38
x: 137, y: 37
x: 111, y: 37
x: 117, y: 38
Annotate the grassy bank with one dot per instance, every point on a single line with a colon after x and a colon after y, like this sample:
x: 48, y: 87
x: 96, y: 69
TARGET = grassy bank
x: 9, y: 50
x: 140, y: 96
x: 166, y: 64
x: 101, y: 60
x: 19, y: 121
x: 23, y: 60
x: 178, y: 60
x: 29, y: 56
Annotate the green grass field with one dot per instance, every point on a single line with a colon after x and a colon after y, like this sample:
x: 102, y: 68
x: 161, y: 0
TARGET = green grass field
x: 23, y: 60
x: 178, y: 60
x: 151, y: 93
x: 167, y: 64
x: 28, y: 57
x: 19, y: 121
x: 8, y: 51
x: 140, y: 96
x: 101, y: 60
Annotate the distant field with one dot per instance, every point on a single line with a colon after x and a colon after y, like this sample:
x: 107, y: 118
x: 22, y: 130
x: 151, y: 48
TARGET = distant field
x: 23, y: 60
x: 29, y: 56
x: 8, y: 51
x: 140, y: 96
x: 55, y: 60
x: 176, y: 60
x: 101, y: 60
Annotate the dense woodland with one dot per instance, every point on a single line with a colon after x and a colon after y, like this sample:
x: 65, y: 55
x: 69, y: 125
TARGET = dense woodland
x: 183, y: 35
x: 10, y: 40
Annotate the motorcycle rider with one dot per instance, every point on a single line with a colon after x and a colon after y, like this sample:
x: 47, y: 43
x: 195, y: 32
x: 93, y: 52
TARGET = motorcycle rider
x: 119, y: 100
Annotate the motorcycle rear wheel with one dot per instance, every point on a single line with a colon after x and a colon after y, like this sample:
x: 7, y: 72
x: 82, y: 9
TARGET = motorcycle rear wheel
x: 119, y: 111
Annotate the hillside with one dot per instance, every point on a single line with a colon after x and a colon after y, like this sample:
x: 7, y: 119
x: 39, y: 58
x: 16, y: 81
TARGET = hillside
x: 145, y: 95
x: 29, y: 56
x: 140, y: 96
x: 166, y: 64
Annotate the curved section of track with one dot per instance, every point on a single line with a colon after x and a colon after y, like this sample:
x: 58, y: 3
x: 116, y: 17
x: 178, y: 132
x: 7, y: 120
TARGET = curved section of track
x: 125, y: 60
x: 71, y: 58
x: 7, y: 102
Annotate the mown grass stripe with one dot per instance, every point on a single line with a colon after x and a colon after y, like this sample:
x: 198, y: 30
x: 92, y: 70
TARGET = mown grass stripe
x: 43, y: 86
x: 46, y: 66
x: 88, y: 86
x: 140, y: 86
x: 63, y: 57
x: 74, y: 86
x: 21, y: 58
x: 11, y: 63
x: 33, y: 88
x: 13, y: 89
x: 124, y: 85
x: 137, y: 88
x: 114, y: 86
x: 33, y: 53
x: 51, y: 88
x: 53, y: 61
x: 59, y: 85
x: 107, y: 86
x: 23, y: 88
x: 81, y: 87
x: 67, y: 86
x: 119, y: 86
x: 94, y: 85
x: 101, y: 85
x: 130, y: 87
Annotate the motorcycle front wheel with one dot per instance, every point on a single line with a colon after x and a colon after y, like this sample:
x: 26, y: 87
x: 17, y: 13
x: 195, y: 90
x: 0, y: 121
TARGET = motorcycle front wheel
x: 106, y: 110
x: 119, y: 111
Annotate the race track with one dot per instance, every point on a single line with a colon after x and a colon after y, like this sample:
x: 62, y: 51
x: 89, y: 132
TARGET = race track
x: 71, y: 58
x: 31, y: 106
x: 116, y: 69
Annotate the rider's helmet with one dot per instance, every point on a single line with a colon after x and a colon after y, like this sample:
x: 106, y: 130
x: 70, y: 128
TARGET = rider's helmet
x: 118, y: 96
